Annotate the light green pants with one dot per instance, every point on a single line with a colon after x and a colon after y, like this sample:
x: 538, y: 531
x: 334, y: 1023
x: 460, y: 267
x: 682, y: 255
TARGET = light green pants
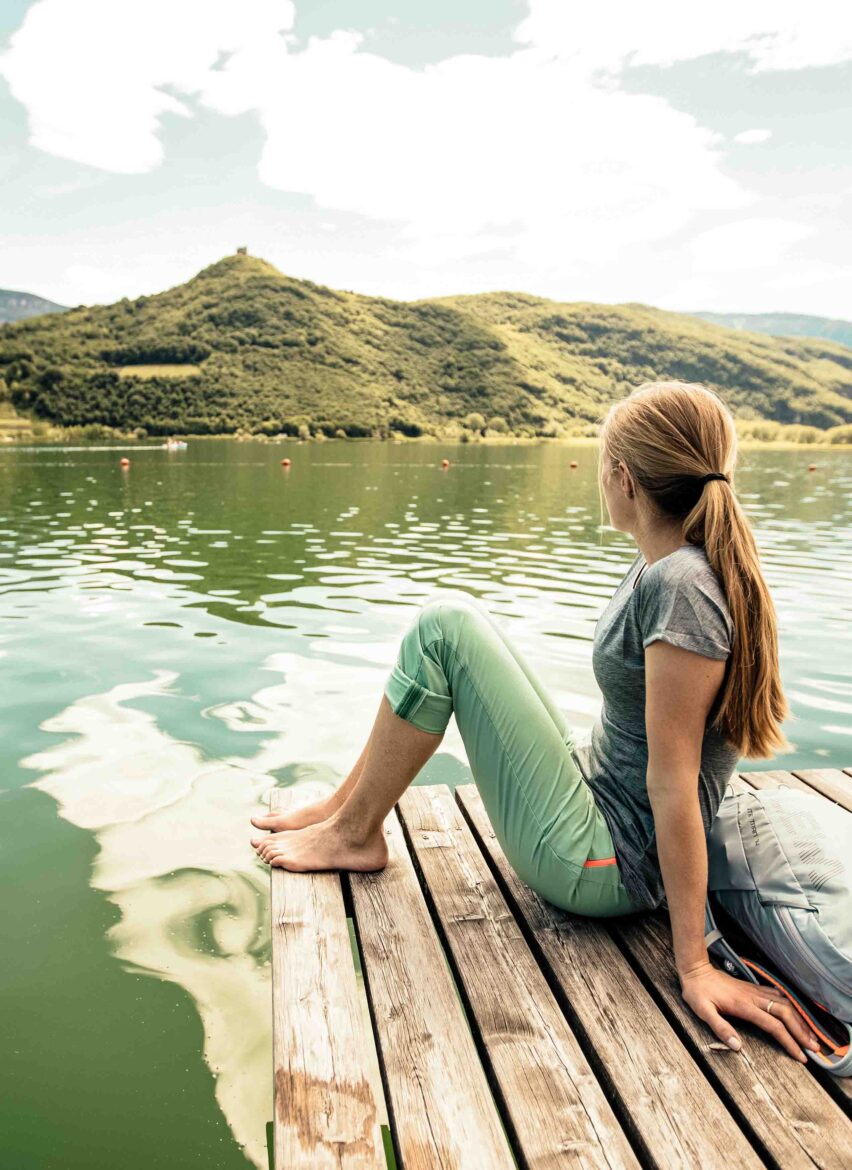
x: 455, y: 658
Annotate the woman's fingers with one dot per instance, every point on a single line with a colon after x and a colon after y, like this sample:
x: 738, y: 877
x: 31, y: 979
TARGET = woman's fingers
x: 774, y: 1025
x: 783, y: 1010
x: 710, y: 993
x: 719, y: 1024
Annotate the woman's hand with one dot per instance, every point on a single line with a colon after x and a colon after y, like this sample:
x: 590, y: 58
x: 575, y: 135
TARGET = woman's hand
x: 709, y: 992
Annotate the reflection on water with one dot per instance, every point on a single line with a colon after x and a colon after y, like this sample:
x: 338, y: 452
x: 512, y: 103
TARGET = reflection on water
x: 173, y: 859
x: 178, y: 638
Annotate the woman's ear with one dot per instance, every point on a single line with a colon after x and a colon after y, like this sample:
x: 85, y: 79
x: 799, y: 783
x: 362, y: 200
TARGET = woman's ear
x: 626, y: 480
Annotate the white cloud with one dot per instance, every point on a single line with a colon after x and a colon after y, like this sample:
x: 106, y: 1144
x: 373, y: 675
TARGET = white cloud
x: 749, y: 137
x: 93, y: 285
x: 91, y: 72
x: 773, y: 34
x: 533, y: 166
x: 746, y: 244
x: 472, y: 155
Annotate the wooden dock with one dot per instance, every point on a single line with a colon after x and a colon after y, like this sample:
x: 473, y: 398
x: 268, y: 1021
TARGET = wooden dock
x: 508, y: 1033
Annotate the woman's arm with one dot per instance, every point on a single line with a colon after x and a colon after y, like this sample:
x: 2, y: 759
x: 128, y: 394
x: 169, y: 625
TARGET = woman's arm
x: 682, y: 850
x: 680, y: 688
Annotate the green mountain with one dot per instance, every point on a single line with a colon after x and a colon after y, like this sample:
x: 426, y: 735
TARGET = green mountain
x: 784, y: 325
x: 16, y: 306
x: 241, y: 346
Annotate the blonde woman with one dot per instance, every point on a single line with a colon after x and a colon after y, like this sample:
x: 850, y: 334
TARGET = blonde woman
x: 686, y: 657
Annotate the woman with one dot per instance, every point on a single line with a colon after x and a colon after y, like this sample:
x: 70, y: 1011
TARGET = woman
x: 686, y: 658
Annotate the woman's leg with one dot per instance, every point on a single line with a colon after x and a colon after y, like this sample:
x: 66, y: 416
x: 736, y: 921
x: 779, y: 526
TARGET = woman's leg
x: 352, y: 837
x: 532, y: 678
x: 320, y: 810
x: 311, y: 814
x: 454, y: 658
x: 518, y: 746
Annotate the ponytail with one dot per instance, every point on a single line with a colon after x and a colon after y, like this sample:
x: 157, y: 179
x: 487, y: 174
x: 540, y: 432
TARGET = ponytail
x: 671, y: 435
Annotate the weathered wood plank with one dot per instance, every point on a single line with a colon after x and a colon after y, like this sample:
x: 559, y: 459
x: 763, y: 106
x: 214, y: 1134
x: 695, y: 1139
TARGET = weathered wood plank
x: 325, y: 1112
x: 441, y: 1108
x: 772, y: 778
x: 831, y: 782
x: 672, y: 1113
x: 554, y: 1103
x: 789, y: 1114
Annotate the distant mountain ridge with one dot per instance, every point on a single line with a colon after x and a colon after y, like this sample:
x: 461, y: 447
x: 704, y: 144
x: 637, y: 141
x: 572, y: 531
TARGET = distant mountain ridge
x: 241, y: 346
x: 784, y: 325
x: 17, y: 306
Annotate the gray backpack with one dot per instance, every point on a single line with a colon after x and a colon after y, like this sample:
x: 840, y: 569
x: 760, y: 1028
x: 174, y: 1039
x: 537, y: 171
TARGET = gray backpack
x: 780, y: 864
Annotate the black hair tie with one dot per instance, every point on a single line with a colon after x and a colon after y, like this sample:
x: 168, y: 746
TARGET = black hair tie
x: 713, y: 475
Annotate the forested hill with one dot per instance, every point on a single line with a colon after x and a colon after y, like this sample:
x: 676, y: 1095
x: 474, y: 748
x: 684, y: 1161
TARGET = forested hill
x: 241, y: 346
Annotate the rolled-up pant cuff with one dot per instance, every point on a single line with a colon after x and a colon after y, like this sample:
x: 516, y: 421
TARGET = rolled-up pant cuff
x: 417, y: 704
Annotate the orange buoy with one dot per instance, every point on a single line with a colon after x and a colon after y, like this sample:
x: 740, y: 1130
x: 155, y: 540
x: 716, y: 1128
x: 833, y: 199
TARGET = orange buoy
x: 285, y: 462
x: 445, y: 463
x: 125, y: 462
x: 811, y: 467
x: 573, y: 463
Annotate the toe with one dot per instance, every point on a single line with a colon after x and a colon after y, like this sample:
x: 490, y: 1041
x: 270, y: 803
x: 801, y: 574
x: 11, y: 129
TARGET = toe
x: 261, y: 821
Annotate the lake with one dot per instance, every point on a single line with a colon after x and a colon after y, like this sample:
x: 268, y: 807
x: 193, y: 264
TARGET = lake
x: 181, y: 635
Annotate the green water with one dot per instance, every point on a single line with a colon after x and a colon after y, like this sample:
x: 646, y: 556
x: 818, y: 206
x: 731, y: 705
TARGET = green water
x: 179, y: 636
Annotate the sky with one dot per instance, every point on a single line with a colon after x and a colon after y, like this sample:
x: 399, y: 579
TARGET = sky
x: 690, y: 157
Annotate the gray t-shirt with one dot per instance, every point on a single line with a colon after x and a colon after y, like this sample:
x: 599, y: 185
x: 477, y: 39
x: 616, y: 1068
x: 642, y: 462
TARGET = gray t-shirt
x: 678, y: 599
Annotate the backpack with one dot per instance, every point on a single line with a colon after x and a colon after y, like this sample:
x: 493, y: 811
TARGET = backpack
x: 780, y: 864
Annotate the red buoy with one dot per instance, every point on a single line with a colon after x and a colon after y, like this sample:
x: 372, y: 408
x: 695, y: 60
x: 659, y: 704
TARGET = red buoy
x: 445, y: 463
x: 811, y: 467
x: 573, y: 463
x: 285, y: 462
x: 125, y: 462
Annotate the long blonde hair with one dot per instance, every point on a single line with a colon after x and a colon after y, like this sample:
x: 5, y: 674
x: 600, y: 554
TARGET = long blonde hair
x: 668, y: 434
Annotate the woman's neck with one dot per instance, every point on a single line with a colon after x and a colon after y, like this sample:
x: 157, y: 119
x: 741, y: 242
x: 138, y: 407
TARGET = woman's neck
x: 657, y: 543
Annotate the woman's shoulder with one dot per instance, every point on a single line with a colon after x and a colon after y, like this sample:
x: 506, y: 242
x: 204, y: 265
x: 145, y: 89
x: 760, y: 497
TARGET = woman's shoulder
x: 687, y: 563
x: 687, y: 569
x: 685, y: 588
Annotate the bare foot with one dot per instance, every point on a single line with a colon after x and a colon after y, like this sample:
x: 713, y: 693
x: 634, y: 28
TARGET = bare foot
x: 323, y: 846
x: 298, y: 818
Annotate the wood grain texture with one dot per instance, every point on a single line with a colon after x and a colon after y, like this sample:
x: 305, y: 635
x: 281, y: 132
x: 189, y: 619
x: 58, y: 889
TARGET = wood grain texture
x: 325, y: 1112
x: 555, y: 1104
x: 443, y: 1116
x: 833, y: 783
x: 674, y: 1116
x: 772, y: 778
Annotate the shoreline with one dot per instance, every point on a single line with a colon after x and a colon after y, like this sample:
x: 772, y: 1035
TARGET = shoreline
x: 11, y: 442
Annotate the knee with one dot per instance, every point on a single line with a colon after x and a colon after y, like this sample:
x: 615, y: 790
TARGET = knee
x: 450, y: 609
x: 446, y: 614
x: 452, y: 601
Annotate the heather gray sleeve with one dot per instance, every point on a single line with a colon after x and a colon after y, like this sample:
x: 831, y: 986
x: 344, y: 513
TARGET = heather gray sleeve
x: 687, y: 609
